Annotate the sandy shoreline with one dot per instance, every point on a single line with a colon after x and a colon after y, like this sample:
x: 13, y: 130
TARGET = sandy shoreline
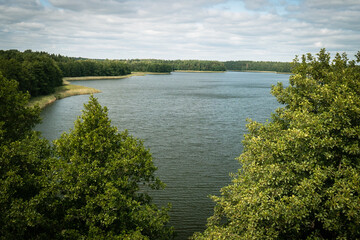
x: 68, y: 89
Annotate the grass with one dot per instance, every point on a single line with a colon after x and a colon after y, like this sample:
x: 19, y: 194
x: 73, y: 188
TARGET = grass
x: 64, y: 91
x: 112, y: 77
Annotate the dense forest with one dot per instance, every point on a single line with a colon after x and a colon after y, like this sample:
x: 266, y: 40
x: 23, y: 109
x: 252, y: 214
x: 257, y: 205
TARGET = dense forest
x: 198, y: 65
x: 299, y: 176
x: 81, y: 68
x: 284, y: 67
x: 35, y: 72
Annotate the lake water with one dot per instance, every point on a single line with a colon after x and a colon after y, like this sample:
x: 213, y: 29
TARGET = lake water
x: 193, y: 124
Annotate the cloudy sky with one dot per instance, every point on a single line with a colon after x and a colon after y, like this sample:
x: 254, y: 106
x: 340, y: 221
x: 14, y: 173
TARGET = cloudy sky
x: 274, y: 30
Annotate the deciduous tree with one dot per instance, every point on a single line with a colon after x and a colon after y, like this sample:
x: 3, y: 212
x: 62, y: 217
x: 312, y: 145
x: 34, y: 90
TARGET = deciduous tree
x: 102, y: 179
x: 300, y: 173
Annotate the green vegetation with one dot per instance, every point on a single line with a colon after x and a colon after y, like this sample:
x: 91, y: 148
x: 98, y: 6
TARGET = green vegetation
x: 36, y: 72
x: 299, y: 176
x: 198, y: 65
x: 284, y: 67
x: 100, y: 172
x: 79, y: 68
x: 149, y: 65
x: 92, y: 184
x: 155, y: 65
x: 64, y: 91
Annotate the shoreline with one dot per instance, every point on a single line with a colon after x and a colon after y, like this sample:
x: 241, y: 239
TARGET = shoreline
x: 113, y: 77
x: 259, y: 71
x: 197, y: 71
x: 67, y: 90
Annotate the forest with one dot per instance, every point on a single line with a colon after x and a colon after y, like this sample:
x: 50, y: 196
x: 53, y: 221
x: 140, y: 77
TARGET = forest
x: 282, y: 67
x: 35, y: 72
x: 40, y: 73
x: 299, y: 176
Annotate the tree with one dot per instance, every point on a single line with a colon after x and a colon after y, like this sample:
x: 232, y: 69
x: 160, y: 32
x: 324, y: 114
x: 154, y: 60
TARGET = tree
x: 300, y: 175
x: 16, y: 119
x: 101, y: 183
x: 24, y: 166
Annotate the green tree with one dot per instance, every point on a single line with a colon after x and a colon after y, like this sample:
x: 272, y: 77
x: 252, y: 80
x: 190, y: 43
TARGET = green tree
x: 24, y: 167
x: 16, y: 119
x: 300, y: 175
x: 102, y: 181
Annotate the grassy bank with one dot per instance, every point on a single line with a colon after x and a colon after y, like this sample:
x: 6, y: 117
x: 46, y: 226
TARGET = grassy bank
x: 61, y: 92
x: 112, y: 77
x: 195, y: 71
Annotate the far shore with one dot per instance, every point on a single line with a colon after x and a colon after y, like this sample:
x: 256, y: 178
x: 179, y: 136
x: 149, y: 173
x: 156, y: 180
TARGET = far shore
x: 196, y: 71
x: 258, y: 71
x: 113, y: 77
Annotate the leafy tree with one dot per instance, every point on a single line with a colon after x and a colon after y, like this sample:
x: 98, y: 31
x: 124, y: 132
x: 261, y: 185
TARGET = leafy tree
x: 300, y: 175
x: 101, y: 183
x: 35, y: 72
x: 15, y: 119
x: 24, y: 166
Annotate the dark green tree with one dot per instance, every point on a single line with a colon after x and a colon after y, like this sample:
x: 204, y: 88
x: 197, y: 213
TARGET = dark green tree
x: 300, y: 174
x: 24, y: 167
x: 16, y: 119
x: 102, y: 182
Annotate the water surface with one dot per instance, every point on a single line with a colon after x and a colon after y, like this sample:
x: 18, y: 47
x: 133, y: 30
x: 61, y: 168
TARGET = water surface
x: 193, y: 124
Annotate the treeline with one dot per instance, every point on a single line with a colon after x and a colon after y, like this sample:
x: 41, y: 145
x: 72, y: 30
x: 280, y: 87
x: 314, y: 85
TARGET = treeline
x: 149, y: 65
x: 198, y: 65
x: 72, y: 67
x: 157, y: 65
x: 36, y: 72
x: 258, y: 66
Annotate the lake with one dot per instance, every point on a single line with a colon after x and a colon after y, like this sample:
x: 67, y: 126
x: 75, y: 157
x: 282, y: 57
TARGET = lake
x: 193, y: 124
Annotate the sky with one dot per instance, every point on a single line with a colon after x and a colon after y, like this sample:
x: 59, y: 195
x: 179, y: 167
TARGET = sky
x: 258, y: 30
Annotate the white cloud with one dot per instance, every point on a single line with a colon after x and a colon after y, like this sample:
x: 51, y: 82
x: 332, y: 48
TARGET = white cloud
x: 185, y: 29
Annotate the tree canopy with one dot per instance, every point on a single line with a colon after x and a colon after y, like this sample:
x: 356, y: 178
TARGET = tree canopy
x: 24, y: 165
x: 299, y: 175
x: 36, y: 72
x: 103, y: 181
x: 258, y: 66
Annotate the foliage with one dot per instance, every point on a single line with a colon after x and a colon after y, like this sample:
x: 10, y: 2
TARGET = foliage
x: 149, y: 65
x: 24, y: 166
x: 36, y: 72
x: 15, y: 119
x: 78, y: 68
x: 101, y: 183
x: 198, y: 65
x: 300, y: 175
x: 257, y: 66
